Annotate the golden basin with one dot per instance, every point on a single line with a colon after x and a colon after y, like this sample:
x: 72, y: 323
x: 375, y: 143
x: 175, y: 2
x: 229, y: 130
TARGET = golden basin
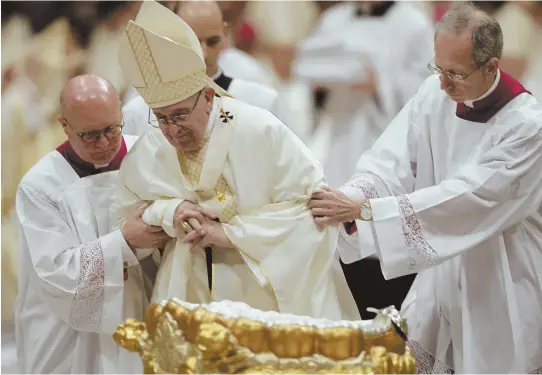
x: 232, y: 338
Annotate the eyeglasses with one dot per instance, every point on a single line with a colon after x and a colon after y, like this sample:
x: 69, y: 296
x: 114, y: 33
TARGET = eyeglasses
x: 451, y: 76
x: 93, y: 136
x: 174, y: 120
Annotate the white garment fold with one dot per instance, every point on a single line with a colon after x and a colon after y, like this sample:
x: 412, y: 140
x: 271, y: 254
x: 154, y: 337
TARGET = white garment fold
x: 459, y: 203
x: 72, y: 292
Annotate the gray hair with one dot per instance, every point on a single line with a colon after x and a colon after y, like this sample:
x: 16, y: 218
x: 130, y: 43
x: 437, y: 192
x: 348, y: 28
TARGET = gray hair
x: 487, y: 39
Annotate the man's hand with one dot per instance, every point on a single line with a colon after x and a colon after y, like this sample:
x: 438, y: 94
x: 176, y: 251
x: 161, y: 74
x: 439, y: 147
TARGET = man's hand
x: 139, y: 235
x: 193, y: 214
x: 215, y: 235
x: 333, y: 207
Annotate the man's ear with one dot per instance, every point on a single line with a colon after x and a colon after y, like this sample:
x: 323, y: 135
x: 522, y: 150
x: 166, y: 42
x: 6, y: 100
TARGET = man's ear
x: 493, y: 65
x: 209, y: 94
x: 209, y: 99
x: 62, y: 122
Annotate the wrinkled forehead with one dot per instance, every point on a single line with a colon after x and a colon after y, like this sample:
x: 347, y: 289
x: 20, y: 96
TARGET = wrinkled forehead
x: 177, y: 108
x: 93, y: 115
x: 453, y: 52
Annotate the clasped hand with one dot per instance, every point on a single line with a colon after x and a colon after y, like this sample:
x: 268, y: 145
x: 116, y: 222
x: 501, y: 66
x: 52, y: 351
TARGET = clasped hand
x: 200, y: 227
x: 139, y: 235
x: 333, y: 207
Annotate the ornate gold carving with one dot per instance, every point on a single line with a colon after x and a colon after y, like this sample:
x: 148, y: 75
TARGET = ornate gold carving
x: 192, y: 340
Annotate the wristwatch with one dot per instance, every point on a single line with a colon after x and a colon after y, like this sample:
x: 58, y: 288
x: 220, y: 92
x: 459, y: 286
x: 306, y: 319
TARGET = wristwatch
x: 366, y: 212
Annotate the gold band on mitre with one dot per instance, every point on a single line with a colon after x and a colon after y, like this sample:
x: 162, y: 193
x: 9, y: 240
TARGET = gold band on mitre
x: 162, y: 57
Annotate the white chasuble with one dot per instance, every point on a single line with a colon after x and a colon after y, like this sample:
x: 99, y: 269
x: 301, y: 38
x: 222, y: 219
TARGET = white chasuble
x: 257, y: 177
x: 456, y: 197
x: 72, y: 288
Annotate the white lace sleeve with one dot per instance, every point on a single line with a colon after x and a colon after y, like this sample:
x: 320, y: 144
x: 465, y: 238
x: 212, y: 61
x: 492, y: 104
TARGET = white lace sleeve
x: 425, y: 362
x: 349, y: 241
x: 360, y: 189
x: 419, y: 250
x: 86, y: 313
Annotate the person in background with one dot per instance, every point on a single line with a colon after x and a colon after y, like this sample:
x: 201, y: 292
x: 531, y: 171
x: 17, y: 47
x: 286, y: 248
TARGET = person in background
x: 78, y: 278
x: 451, y: 191
x: 519, y: 33
x: 105, y: 41
x: 364, y: 85
x: 532, y: 79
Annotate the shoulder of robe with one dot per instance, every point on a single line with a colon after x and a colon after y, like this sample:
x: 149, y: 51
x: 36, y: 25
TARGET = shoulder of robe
x: 250, y: 120
x: 253, y: 93
x: 429, y: 90
x: 145, y: 146
x: 135, y: 107
x: 130, y: 140
x: 239, y: 64
x: 44, y: 178
x: 521, y: 118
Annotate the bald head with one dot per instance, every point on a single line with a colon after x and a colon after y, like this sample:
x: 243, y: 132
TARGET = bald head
x: 205, y: 19
x: 192, y: 10
x: 91, y: 115
x: 87, y: 91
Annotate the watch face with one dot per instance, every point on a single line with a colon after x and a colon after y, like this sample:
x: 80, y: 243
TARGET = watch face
x: 366, y: 213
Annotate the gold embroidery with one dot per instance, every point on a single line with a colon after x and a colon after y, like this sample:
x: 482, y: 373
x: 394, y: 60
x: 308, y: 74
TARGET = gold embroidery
x: 155, y: 89
x: 191, y: 165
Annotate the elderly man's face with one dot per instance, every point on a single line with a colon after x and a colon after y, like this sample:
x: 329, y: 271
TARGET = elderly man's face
x: 184, y: 124
x: 462, y: 80
x: 94, y: 130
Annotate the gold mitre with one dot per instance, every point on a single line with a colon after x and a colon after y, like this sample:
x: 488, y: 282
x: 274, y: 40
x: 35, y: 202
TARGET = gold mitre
x: 162, y: 57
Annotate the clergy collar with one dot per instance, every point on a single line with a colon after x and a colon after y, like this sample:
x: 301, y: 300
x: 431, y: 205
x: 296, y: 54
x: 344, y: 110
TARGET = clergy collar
x: 218, y: 73
x: 504, y: 89
x: 470, y: 103
x: 85, y: 169
x: 223, y: 81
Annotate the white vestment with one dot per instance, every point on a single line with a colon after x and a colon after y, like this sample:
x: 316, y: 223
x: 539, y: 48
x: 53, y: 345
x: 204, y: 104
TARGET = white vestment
x: 72, y: 292
x: 459, y: 203
x: 291, y: 102
x: 338, y: 52
x: 282, y: 261
x: 238, y: 64
x: 136, y: 111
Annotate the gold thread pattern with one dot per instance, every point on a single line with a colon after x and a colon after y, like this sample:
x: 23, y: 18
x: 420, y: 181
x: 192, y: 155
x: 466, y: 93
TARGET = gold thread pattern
x: 155, y: 89
x: 191, y: 165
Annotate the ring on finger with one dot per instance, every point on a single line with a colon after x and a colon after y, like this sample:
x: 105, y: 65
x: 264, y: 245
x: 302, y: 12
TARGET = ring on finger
x: 185, y: 226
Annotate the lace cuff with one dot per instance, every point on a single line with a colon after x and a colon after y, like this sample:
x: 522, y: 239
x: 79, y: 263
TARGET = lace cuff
x: 86, y: 313
x: 419, y: 250
x: 363, y: 190
x: 425, y: 362
x: 365, y: 187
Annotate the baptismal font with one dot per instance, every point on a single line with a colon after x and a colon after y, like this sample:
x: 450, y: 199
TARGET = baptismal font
x: 232, y: 338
